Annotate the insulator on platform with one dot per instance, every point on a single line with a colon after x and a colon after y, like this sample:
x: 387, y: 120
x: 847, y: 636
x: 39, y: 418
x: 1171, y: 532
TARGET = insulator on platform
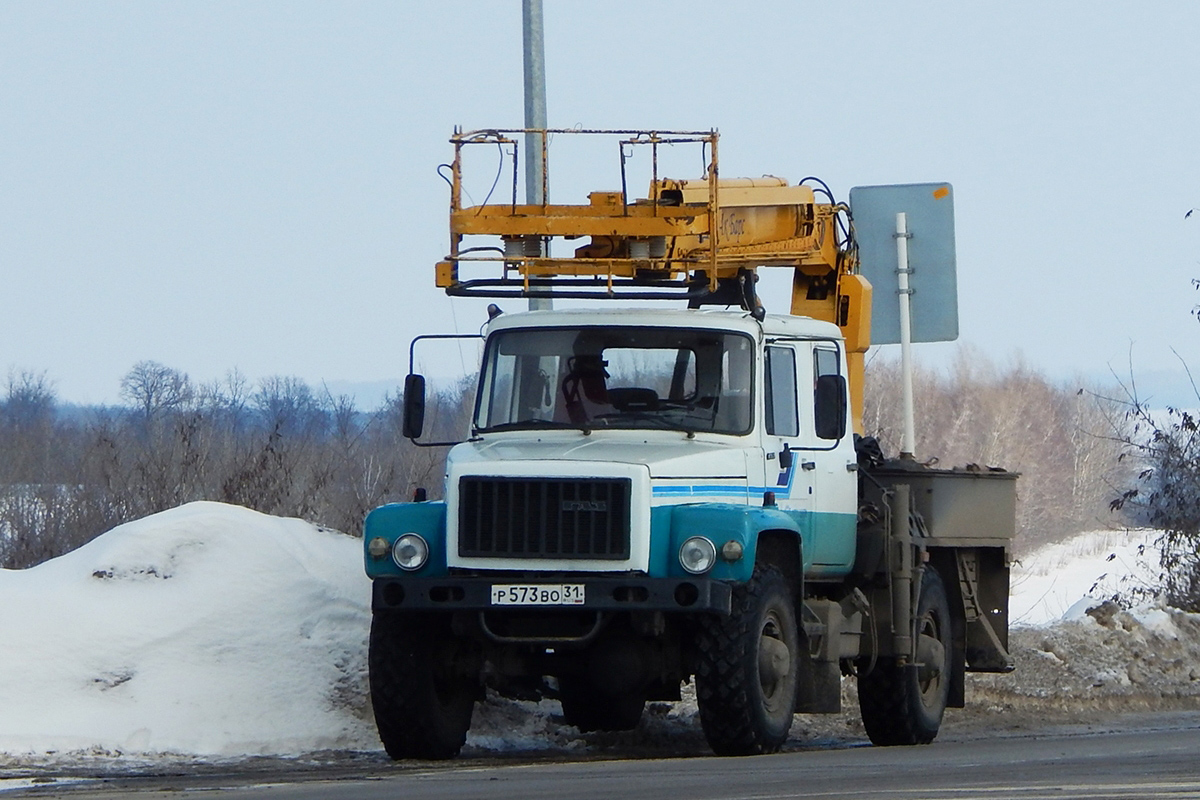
x: 514, y: 249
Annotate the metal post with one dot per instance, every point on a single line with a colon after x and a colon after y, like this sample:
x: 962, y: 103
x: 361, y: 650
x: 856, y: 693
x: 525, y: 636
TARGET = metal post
x: 535, y: 113
x: 908, y: 443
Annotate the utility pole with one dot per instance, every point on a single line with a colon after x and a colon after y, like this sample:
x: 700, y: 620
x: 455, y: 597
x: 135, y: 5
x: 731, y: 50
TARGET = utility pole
x: 535, y: 114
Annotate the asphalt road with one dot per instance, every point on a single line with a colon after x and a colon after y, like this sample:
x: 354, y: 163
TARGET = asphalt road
x: 1148, y: 762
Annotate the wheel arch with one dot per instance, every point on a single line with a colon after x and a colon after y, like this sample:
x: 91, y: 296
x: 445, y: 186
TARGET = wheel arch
x: 782, y: 549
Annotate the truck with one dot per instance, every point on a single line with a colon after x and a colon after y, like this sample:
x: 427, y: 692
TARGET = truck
x: 653, y: 495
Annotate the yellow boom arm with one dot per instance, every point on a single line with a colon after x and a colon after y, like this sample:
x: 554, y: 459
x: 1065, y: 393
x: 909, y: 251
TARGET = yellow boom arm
x: 699, y: 240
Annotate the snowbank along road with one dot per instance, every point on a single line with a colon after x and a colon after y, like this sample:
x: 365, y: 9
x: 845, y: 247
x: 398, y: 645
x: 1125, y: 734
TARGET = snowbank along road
x: 210, y: 634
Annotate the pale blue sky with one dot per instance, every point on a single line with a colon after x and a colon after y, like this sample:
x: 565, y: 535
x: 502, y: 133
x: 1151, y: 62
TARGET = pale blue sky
x: 226, y: 184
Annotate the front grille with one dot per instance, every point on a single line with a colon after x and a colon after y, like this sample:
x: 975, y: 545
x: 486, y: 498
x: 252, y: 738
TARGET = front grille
x: 544, y: 518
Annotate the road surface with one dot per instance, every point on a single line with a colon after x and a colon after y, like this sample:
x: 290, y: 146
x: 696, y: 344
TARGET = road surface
x: 1152, y: 760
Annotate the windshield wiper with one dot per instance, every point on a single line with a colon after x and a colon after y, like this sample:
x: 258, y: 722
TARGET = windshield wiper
x: 529, y: 424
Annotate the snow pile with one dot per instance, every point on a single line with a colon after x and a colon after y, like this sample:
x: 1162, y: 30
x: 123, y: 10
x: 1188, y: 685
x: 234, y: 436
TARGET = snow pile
x: 208, y: 629
x: 1076, y: 651
x: 1109, y: 660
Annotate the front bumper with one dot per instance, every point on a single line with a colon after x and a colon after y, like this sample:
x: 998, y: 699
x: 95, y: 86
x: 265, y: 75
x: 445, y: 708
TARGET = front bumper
x: 622, y: 593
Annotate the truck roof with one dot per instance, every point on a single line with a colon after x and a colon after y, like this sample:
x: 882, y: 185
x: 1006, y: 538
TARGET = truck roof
x: 731, y: 320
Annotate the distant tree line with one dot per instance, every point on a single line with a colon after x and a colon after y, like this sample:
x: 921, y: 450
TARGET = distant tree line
x: 281, y: 447
x: 277, y: 446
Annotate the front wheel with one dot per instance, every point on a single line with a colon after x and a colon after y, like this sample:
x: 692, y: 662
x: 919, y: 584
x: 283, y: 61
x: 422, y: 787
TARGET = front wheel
x: 747, y: 672
x: 903, y: 704
x: 422, y: 687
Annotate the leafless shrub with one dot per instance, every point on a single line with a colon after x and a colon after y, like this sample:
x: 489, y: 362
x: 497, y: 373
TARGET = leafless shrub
x: 39, y: 522
x: 1165, y: 493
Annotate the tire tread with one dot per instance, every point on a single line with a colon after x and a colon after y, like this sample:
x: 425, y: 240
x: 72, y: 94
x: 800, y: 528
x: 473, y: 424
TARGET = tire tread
x: 407, y: 716
x: 726, y: 706
x: 889, y: 698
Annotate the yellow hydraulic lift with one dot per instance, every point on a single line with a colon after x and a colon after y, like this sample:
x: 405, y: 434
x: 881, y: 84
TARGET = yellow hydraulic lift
x: 699, y: 240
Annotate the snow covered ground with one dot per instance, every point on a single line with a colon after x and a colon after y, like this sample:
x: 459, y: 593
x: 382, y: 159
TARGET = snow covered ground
x: 1061, y: 581
x: 211, y: 631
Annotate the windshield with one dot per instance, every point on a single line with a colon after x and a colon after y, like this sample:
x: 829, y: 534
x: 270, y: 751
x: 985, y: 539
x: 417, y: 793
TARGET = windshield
x: 668, y: 378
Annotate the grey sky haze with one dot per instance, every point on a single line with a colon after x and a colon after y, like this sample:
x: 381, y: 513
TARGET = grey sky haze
x: 252, y: 185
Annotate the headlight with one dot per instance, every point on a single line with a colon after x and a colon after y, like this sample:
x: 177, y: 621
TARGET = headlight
x: 410, y: 552
x: 378, y: 547
x: 697, y: 555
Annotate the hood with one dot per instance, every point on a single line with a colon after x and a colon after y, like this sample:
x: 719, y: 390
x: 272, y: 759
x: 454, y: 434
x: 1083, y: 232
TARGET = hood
x: 675, y: 457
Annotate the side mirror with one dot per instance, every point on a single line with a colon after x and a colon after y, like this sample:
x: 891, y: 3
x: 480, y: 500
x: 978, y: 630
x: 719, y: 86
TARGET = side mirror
x: 830, y: 406
x: 414, y: 406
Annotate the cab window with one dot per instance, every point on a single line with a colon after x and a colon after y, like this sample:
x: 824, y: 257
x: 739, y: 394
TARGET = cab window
x: 781, y: 407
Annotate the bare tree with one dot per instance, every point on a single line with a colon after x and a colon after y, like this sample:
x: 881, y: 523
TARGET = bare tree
x: 153, y: 388
x: 27, y: 430
x: 288, y: 406
x: 29, y: 399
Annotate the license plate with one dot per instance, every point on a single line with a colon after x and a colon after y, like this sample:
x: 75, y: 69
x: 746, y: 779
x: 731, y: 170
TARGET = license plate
x: 537, y: 594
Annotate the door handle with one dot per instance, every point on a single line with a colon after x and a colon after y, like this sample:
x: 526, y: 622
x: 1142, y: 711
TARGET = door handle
x: 808, y: 465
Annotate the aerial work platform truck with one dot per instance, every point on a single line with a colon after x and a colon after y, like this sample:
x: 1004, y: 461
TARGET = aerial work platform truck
x: 651, y: 496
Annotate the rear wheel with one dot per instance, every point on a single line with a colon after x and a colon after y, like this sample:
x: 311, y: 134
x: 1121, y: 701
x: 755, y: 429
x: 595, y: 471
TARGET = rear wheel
x: 422, y: 688
x: 747, y: 673
x: 904, y: 704
x: 590, y: 709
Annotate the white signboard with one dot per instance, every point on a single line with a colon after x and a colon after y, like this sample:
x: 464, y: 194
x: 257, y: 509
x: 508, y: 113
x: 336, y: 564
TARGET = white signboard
x: 932, y: 281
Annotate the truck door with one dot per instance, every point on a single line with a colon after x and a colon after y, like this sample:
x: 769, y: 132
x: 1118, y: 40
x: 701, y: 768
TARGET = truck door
x: 827, y: 452
x: 783, y: 472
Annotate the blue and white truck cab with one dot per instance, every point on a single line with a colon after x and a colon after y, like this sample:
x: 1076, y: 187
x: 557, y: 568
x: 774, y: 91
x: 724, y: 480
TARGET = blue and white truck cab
x: 603, y: 441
